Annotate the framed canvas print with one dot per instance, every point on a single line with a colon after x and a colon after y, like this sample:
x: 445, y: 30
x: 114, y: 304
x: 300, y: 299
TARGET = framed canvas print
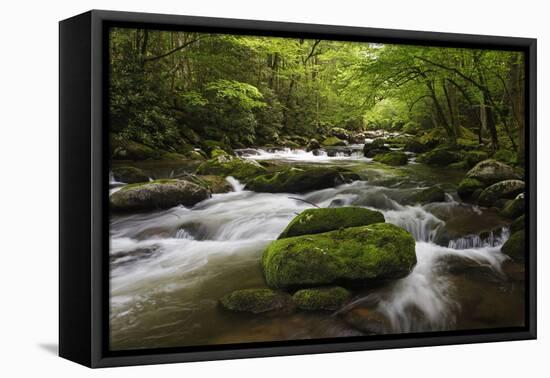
x: 233, y: 188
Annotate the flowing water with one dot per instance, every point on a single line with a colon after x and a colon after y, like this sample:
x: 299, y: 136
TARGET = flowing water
x: 169, y: 268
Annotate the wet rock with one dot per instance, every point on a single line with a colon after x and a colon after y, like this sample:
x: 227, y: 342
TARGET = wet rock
x: 374, y: 148
x: 368, y: 321
x: 515, y: 246
x: 296, y: 180
x: 514, y: 208
x: 468, y: 187
x: 474, y: 157
x: 226, y: 165
x: 216, y: 184
x: 392, y: 158
x: 129, y: 150
x: 315, y: 221
x: 518, y: 224
x: 355, y: 254
x: 428, y: 195
x: 339, y: 132
x: 129, y: 175
x: 321, y: 298
x: 160, y: 194
x: 334, y: 141
x: 414, y: 145
x: 491, y: 171
x: 506, y: 189
x: 440, y: 157
x: 312, y: 145
x: 255, y: 301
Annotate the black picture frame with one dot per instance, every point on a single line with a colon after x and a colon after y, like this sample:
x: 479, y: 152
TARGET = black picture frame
x: 83, y: 180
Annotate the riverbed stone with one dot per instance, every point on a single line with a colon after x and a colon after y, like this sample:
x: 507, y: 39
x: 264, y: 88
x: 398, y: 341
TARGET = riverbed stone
x: 216, y: 184
x: 440, y: 157
x: 491, y: 171
x: 159, y: 194
x: 334, y: 141
x: 506, y: 189
x: 296, y: 180
x: 321, y: 298
x: 312, y: 145
x: 514, y: 208
x: 515, y: 246
x: 428, y: 195
x: 129, y: 175
x: 467, y: 187
x: 392, y: 158
x: 226, y: 165
x: 518, y: 224
x: 255, y: 301
x: 356, y: 254
x: 368, y: 320
x: 130, y: 150
x: 315, y: 221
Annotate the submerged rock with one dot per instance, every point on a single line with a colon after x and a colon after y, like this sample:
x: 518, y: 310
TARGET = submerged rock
x: 129, y: 175
x: 255, y: 301
x: 359, y: 254
x: 392, y: 158
x: 515, y: 246
x: 321, y: 298
x: 467, y: 187
x: 428, y: 195
x: 296, y: 180
x: 315, y: 221
x: 491, y: 171
x: 226, y: 165
x: 160, y: 194
x: 368, y: 321
x: 506, y: 189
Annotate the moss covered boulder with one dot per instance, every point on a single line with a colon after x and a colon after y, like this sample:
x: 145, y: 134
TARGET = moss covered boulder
x: 321, y: 298
x: 474, y: 157
x: 355, y: 254
x: 296, y: 180
x: 467, y: 187
x: 315, y: 221
x: 216, y: 184
x: 334, y: 141
x: 514, y: 208
x: 312, y: 145
x: 440, y: 157
x: 506, y: 189
x: 160, y: 194
x: 518, y: 224
x: 428, y: 195
x: 226, y: 165
x: 392, y: 158
x: 376, y: 147
x: 255, y: 301
x: 129, y: 175
x: 515, y: 246
x: 491, y: 171
x: 130, y: 150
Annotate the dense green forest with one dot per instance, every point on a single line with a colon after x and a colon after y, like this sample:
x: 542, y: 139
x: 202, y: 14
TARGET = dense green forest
x: 179, y: 94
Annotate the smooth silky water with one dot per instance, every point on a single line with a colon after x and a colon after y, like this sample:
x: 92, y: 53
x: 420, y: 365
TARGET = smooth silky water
x: 170, y: 268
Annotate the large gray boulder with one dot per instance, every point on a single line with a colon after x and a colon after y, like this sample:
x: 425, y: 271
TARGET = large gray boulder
x: 507, y: 189
x: 160, y: 194
x: 491, y: 171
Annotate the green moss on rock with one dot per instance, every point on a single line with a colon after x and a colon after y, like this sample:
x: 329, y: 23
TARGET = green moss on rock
x: 491, y: 171
x: 322, y: 298
x: 468, y: 186
x: 515, y: 246
x: 216, y: 184
x: 130, y: 150
x: 506, y: 189
x: 428, y: 195
x: 226, y: 165
x: 514, y: 208
x: 392, y: 158
x: 296, y: 180
x: 255, y: 301
x: 518, y: 224
x: 159, y: 194
x: 440, y: 157
x: 315, y: 221
x: 129, y: 175
x: 333, y: 141
x: 373, y: 252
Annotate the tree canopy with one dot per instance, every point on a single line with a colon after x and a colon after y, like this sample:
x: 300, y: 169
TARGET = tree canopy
x: 176, y: 91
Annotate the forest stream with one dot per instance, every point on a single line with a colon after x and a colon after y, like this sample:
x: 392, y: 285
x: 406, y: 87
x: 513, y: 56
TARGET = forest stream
x: 169, y: 268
